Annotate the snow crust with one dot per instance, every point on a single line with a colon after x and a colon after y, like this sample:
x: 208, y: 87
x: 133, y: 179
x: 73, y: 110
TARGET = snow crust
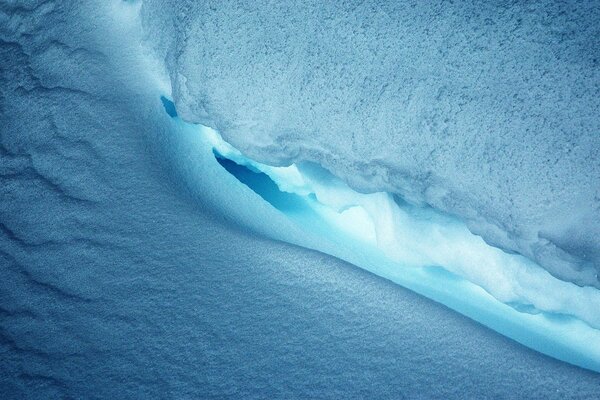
x: 488, y: 113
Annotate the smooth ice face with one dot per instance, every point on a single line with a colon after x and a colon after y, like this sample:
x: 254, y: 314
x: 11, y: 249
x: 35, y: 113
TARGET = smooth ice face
x: 415, y: 246
x: 485, y: 112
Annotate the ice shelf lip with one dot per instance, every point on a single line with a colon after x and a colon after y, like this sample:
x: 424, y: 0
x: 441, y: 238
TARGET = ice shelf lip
x: 431, y: 254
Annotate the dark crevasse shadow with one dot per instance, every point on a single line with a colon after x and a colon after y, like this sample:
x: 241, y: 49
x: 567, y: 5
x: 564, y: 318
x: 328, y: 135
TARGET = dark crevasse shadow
x: 298, y: 208
x: 264, y: 186
x: 169, y: 107
x: 259, y: 182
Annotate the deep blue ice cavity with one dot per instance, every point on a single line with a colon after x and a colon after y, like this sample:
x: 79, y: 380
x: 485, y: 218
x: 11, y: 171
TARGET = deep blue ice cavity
x: 169, y: 107
x: 264, y: 186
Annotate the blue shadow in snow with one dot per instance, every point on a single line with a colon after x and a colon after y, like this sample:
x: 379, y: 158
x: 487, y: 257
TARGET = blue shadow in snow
x: 264, y: 186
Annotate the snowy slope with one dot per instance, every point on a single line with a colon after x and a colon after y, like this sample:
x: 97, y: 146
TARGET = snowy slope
x: 121, y: 281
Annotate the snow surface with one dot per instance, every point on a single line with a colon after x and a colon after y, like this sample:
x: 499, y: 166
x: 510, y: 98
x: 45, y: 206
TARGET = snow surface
x: 487, y: 112
x: 121, y: 280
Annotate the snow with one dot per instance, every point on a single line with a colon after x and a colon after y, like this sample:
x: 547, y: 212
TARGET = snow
x: 135, y: 266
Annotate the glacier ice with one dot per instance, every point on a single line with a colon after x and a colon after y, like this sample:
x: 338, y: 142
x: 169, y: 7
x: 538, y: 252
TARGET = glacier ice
x: 485, y: 112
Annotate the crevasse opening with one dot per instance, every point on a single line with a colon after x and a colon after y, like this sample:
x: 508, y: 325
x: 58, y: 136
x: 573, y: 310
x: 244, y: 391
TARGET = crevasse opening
x: 417, y: 247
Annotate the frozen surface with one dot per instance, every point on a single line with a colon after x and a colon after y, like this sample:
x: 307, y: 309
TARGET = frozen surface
x: 119, y: 281
x: 487, y: 112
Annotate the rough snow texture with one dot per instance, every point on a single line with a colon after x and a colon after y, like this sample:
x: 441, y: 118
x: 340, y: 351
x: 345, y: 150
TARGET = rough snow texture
x: 115, y: 283
x: 488, y: 112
